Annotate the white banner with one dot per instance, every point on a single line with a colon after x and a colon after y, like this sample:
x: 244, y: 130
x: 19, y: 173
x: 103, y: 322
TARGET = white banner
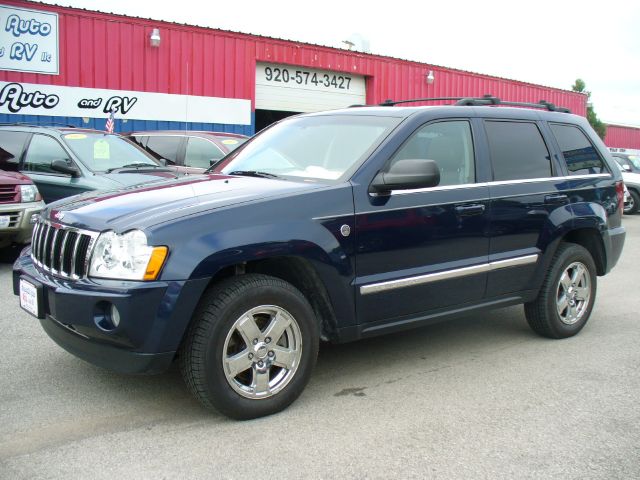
x: 53, y: 100
x: 28, y: 40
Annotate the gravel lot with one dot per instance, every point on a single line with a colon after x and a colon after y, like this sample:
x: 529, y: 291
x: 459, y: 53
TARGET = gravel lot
x: 480, y: 397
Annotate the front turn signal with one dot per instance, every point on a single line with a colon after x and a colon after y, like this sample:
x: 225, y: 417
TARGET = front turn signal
x: 158, y: 256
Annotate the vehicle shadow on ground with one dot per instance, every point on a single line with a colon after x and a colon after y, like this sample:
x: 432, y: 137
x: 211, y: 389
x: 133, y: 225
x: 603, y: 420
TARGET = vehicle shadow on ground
x: 341, y: 369
x: 8, y: 255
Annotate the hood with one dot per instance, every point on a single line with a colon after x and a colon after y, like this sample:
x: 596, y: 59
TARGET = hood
x: 131, y: 177
x: 146, y: 205
x: 14, y: 178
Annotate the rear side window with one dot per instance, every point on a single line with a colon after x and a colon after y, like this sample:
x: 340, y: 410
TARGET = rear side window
x: 164, y: 147
x: 11, y: 146
x: 517, y: 151
x: 581, y: 156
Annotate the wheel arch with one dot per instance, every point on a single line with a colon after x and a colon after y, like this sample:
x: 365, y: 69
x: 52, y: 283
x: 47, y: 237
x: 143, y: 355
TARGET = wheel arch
x: 591, y: 239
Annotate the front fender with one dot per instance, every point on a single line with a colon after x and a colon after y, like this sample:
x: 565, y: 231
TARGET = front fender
x: 307, y: 226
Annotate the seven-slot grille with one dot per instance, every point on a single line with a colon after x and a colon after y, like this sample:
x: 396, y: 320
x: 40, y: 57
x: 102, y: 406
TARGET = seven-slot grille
x: 62, y: 250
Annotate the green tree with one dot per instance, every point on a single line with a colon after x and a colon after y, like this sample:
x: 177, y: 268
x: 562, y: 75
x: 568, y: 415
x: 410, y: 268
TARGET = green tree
x: 592, y: 117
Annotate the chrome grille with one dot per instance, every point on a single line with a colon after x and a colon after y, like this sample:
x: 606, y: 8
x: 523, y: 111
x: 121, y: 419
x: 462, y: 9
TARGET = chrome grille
x: 62, y: 250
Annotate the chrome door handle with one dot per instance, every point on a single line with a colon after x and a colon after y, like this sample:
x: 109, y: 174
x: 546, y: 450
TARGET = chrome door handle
x: 468, y: 210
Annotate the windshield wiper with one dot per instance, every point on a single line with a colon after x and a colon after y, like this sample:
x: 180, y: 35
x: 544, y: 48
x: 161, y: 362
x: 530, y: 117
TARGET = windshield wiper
x: 133, y: 165
x: 253, y: 173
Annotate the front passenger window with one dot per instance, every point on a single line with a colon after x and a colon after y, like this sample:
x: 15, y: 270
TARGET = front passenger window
x: 449, y: 144
x: 43, y: 150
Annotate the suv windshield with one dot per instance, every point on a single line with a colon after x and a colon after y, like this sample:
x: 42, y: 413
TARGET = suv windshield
x: 324, y: 147
x: 101, y: 151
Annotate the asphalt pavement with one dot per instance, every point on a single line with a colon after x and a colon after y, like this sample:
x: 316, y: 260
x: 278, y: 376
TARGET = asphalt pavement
x: 478, y: 397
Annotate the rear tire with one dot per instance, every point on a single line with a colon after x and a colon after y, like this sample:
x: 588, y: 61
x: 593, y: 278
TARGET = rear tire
x: 634, y: 203
x: 251, y: 347
x: 567, y: 295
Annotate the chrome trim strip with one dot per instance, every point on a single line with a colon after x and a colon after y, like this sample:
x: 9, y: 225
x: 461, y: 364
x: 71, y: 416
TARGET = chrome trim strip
x: 72, y: 271
x: 496, y: 183
x: 447, y: 274
x: 514, y: 262
x: 53, y: 249
x: 63, y: 251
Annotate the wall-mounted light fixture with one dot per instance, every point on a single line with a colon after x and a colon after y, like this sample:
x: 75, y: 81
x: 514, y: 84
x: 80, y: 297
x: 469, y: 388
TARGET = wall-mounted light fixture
x: 154, y: 38
x: 429, y: 77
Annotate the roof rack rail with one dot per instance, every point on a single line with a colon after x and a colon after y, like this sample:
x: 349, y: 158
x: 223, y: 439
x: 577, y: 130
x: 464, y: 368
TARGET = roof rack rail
x: 391, y: 103
x: 480, y: 101
x: 31, y: 124
x: 491, y: 100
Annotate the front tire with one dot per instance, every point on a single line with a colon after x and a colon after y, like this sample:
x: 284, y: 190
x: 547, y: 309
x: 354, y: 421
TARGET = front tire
x: 251, y: 347
x: 567, y: 295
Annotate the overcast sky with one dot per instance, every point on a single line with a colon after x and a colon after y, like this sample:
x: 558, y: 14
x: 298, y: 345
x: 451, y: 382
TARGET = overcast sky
x: 545, y: 42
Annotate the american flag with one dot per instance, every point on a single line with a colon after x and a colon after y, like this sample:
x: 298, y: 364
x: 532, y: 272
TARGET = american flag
x: 110, y: 123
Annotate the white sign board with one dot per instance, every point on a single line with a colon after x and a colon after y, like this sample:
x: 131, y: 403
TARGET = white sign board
x: 28, y: 40
x: 53, y: 100
x: 299, y: 89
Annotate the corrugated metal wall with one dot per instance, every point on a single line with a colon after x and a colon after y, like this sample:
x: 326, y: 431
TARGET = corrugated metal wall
x: 110, y: 51
x: 621, y: 136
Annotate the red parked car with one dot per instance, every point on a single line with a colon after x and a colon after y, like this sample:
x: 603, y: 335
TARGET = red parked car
x: 20, y: 202
x: 187, y: 151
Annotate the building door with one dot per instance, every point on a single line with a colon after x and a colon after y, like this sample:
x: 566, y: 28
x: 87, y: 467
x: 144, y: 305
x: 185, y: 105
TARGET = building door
x: 283, y: 90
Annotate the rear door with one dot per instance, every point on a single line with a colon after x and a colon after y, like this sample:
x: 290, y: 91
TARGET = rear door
x: 528, y: 202
x: 421, y: 250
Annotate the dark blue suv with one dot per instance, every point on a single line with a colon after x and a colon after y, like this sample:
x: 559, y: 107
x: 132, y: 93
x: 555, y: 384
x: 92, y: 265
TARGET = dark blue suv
x: 331, y: 226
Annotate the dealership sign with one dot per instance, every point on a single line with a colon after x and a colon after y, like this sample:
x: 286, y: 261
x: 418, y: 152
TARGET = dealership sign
x: 53, y: 100
x: 28, y: 40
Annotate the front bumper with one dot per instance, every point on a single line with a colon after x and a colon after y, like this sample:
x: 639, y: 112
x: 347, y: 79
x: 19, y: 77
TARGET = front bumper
x: 76, y: 315
x: 20, y: 227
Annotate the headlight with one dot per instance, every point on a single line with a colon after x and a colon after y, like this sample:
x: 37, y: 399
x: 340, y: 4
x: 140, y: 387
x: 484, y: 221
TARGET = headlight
x: 126, y: 257
x: 29, y: 193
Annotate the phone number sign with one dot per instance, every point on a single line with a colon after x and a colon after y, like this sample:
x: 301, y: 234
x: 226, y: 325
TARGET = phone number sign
x: 300, y: 77
x: 28, y: 40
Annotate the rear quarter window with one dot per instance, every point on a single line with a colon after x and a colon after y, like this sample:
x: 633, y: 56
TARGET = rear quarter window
x: 580, y: 155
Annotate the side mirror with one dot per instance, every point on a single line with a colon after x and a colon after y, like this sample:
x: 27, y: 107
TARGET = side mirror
x: 406, y: 175
x: 63, y: 166
x: 627, y: 168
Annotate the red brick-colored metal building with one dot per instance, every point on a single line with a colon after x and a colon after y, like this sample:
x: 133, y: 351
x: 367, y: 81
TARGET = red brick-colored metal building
x: 156, y: 74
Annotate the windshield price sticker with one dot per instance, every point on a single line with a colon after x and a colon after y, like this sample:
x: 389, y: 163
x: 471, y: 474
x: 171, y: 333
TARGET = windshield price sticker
x: 101, y: 150
x: 291, y: 76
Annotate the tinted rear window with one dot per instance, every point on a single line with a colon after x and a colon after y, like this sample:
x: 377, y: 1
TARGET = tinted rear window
x: 517, y: 151
x: 581, y: 156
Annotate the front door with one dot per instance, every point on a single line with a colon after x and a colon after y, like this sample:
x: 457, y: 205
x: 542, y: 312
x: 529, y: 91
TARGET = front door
x: 53, y: 185
x: 422, y: 250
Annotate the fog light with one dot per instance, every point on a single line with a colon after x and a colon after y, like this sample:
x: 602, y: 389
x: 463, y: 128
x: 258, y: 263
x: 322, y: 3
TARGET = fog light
x: 115, y: 316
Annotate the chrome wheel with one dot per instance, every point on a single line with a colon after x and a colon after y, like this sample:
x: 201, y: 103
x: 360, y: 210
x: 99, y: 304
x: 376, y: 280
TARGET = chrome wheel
x: 630, y: 206
x: 262, y: 352
x: 574, y: 293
